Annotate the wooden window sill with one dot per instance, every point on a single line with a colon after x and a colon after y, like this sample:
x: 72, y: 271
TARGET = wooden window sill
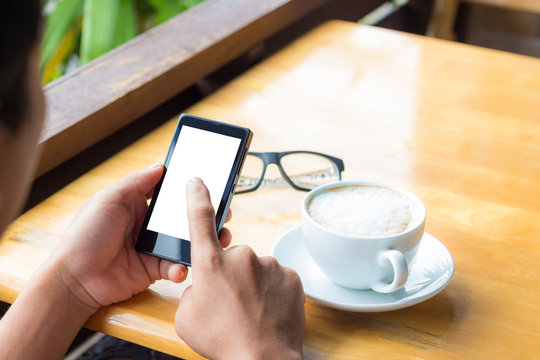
x: 105, y: 95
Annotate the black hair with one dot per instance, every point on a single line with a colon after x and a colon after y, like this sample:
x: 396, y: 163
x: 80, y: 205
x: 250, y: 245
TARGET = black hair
x: 20, y: 28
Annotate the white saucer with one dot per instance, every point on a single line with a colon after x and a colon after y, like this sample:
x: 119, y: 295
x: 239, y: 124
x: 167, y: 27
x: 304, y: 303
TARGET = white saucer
x: 430, y: 273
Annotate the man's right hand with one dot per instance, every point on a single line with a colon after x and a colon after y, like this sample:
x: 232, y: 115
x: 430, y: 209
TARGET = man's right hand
x: 239, y: 306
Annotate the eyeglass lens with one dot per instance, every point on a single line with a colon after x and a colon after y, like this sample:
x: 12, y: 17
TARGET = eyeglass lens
x: 308, y: 171
x: 251, y: 173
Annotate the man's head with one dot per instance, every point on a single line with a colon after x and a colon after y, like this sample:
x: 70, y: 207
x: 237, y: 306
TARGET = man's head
x: 19, y: 33
x: 21, y: 102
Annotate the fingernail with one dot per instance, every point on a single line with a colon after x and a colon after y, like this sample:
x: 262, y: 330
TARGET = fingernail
x: 194, y: 184
x: 184, y: 275
x: 196, y: 181
x: 156, y: 165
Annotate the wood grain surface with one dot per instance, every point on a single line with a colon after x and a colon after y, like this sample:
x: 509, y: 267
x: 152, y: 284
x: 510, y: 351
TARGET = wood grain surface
x: 456, y: 124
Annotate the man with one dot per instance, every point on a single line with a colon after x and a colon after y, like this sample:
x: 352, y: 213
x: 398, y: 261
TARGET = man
x: 239, y: 306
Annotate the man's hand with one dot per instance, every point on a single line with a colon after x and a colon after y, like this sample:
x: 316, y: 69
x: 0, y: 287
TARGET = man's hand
x: 94, y: 265
x: 239, y: 306
x: 96, y: 258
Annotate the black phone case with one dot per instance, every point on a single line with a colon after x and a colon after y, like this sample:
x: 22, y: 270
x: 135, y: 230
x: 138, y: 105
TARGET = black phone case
x: 177, y: 249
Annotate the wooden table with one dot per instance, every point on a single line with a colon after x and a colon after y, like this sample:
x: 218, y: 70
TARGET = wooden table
x: 456, y: 124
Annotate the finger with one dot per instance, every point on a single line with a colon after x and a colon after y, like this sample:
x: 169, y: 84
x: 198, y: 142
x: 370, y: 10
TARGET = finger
x: 229, y: 215
x: 225, y: 238
x: 172, y: 271
x: 151, y: 265
x: 202, y: 223
x: 158, y: 269
x: 136, y: 185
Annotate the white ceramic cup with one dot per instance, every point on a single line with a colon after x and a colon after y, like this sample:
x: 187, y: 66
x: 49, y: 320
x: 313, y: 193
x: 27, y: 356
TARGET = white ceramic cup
x: 378, y: 263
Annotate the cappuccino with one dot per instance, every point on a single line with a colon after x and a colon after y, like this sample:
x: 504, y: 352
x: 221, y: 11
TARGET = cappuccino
x: 363, y: 210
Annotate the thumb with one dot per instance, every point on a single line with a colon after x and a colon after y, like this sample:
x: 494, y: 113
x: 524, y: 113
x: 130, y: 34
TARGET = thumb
x: 138, y: 184
x: 202, y: 223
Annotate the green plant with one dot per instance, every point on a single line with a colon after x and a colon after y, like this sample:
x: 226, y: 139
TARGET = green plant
x: 78, y: 31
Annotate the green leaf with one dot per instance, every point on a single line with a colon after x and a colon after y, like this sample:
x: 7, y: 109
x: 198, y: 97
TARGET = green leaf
x: 106, y: 24
x: 126, y: 26
x: 186, y: 4
x: 98, y: 29
x: 55, y: 66
x: 165, y: 9
x: 61, y: 19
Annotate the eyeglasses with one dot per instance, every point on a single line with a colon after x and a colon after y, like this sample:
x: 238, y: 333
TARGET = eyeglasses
x: 303, y: 170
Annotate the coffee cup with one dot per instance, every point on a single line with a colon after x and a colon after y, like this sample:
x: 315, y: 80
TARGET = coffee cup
x: 363, y: 235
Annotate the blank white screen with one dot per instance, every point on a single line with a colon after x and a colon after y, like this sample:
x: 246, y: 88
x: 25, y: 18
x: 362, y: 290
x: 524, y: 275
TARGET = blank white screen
x: 198, y: 153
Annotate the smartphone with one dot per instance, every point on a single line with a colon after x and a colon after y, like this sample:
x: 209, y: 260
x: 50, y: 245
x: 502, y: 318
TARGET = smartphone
x: 211, y: 150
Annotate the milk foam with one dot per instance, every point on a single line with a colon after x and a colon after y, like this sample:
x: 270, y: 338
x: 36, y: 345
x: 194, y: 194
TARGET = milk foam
x: 362, y: 210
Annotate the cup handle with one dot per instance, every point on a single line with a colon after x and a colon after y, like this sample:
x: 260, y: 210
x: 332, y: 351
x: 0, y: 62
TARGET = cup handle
x: 401, y: 272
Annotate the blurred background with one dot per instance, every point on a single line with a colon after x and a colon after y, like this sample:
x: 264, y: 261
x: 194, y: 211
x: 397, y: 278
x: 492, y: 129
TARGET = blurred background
x: 78, y: 31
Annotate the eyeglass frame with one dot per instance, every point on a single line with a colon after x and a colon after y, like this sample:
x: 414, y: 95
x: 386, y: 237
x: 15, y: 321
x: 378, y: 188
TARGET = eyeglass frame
x: 275, y: 158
